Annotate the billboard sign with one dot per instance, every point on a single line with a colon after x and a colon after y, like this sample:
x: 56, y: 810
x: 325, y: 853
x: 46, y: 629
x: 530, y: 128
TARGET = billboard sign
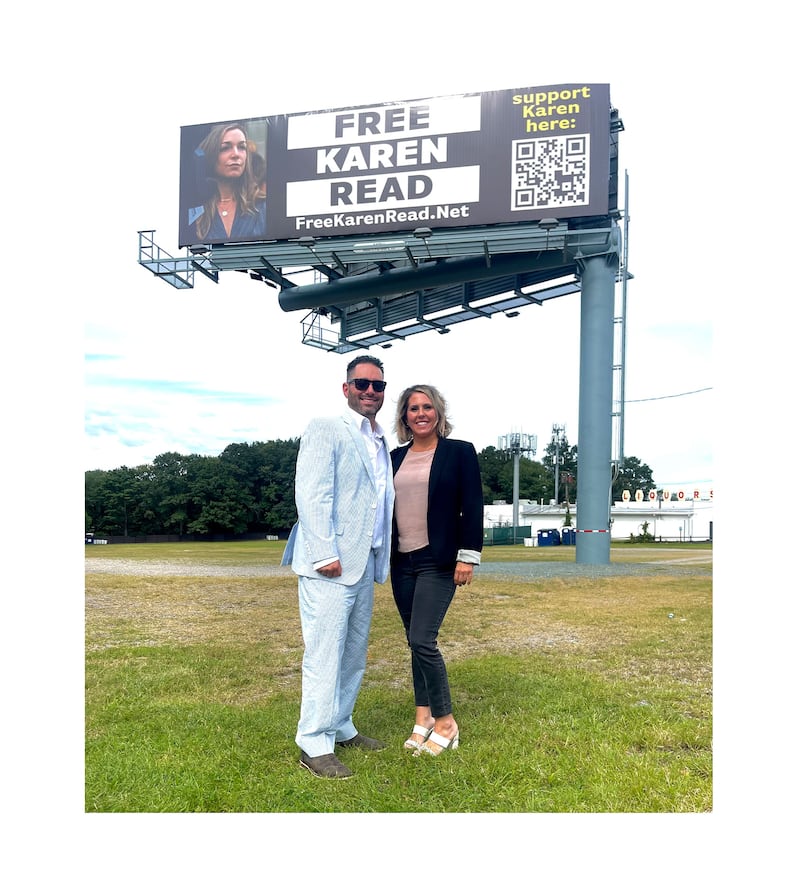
x: 472, y: 159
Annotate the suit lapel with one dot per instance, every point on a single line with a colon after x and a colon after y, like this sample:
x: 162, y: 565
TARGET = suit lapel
x: 357, y: 438
x: 398, y: 456
x: 439, y: 463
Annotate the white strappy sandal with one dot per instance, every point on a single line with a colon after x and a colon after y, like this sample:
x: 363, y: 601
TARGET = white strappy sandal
x: 444, y: 744
x: 410, y: 744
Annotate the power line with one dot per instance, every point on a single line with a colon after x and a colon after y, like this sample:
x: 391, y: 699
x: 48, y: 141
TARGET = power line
x: 662, y: 397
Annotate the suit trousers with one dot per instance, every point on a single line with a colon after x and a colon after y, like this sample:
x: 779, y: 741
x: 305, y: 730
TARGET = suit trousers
x: 423, y: 592
x: 335, y: 621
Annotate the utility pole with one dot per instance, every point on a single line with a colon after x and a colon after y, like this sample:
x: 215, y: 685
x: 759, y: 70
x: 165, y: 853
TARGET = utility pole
x: 558, y: 430
x: 567, y: 479
x: 517, y: 444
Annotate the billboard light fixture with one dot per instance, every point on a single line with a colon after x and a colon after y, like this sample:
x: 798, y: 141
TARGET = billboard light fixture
x: 309, y: 243
x: 379, y: 244
x: 424, y: 234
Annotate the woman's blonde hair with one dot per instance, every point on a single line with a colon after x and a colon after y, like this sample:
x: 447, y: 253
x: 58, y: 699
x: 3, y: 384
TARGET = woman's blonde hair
x: 443, y: 425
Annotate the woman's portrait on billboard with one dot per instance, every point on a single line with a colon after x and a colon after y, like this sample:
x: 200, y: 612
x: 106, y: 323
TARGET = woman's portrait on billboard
x: 230, y: 201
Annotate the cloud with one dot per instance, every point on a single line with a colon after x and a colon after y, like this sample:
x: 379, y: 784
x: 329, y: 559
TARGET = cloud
x: 175, y: 389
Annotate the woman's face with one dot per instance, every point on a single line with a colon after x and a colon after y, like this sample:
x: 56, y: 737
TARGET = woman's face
x: 421, y: 415
x: 232, y: 157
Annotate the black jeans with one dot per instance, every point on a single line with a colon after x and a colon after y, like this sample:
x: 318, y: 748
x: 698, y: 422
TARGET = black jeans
x: 422, y: 593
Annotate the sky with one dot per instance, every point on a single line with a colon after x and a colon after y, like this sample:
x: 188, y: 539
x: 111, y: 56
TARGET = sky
x: 192, y: 371
x: 106, y: 365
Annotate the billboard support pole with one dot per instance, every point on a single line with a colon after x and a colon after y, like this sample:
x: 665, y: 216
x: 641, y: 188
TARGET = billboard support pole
x: 593, y: 534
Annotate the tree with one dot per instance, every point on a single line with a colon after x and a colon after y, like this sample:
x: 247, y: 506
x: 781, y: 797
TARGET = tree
x: 94, y: 498
x: 267, y: 470
x: 222, y: 500
x: 121, y: 503
x: 633, y: 475
x: 644, y: 535
x: 166, y: 507
x: 250, y: 488
x: 497, y: 473
x: 277, y: 507
x: 491, y: 462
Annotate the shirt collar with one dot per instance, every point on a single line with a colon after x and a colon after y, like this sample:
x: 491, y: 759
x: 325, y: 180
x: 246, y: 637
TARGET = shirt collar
x: 362, y: 424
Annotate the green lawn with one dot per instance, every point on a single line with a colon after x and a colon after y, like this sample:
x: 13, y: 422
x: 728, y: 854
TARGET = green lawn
x: 573, y: 694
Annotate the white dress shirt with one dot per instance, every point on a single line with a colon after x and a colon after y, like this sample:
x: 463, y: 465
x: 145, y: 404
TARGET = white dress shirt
x: 379, y: 456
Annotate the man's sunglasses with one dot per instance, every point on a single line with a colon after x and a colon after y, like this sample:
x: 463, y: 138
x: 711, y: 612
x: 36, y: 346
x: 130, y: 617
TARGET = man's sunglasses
x: 362, y: 385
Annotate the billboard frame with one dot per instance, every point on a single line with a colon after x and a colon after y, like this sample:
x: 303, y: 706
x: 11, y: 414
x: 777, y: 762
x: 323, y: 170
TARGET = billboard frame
x: 462, y: 160
x: 364, y: 282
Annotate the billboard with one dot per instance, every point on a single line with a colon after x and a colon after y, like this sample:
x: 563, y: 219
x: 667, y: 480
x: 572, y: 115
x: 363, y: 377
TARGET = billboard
x: 472, y: 159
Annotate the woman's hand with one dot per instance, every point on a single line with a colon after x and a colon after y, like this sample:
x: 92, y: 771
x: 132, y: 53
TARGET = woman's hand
x: 463, y: 573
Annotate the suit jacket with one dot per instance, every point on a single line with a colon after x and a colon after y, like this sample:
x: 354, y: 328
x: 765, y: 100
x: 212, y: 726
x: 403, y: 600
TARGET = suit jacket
x: 337, y: 502
x: 455, y: 500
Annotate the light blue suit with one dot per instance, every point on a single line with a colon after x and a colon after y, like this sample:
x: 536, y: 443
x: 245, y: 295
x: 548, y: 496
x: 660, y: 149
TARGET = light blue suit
x: 337, y: 503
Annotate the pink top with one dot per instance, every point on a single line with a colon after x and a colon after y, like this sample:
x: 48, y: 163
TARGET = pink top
x: 411, y: 500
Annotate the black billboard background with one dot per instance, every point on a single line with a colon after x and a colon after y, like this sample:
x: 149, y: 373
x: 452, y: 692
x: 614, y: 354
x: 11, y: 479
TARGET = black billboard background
x: 501, y: 121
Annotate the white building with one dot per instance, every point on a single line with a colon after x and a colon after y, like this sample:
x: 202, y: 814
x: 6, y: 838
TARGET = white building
x: 684, y: 515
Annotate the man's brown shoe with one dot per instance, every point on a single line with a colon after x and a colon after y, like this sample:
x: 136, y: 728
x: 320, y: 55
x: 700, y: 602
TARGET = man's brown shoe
x: 359, y: 740
x: 325, y: 766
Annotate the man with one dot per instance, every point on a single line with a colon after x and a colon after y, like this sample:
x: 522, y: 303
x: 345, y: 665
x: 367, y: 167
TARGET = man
x: 339, y: 548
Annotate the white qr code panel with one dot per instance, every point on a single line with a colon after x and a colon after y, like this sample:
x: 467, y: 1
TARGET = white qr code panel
x: 549, y: 172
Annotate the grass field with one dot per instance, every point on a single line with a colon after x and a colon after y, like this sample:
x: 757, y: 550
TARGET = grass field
x: 573, y: 693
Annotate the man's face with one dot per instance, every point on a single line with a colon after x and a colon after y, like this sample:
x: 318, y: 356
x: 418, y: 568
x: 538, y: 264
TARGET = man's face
x: 368, y: 401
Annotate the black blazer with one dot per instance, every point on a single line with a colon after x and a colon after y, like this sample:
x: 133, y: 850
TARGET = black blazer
x: 455, y: 500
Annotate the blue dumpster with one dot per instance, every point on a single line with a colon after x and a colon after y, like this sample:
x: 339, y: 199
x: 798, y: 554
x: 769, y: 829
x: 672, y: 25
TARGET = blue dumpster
x: 548, y: 538
x: 568, y: 537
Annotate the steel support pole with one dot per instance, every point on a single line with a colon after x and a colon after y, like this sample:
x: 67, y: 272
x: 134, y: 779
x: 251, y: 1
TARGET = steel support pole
x: 515, y: 496
x: 593, y: 535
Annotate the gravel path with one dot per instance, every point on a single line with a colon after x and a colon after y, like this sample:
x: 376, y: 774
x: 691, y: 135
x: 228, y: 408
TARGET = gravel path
x: 543, y: 570
x: 154, y: 568
x: 519, y: 570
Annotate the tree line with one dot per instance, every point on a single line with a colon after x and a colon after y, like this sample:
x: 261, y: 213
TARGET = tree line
x: 249, y: 489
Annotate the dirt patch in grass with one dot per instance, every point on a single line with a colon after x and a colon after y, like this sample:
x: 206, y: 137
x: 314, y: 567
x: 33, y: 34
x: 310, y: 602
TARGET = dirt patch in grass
x: 136, y: 610
x: 658, y: 621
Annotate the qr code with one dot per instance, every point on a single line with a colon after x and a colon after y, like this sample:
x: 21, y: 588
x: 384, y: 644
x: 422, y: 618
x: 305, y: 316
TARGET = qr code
x: 550, y: 172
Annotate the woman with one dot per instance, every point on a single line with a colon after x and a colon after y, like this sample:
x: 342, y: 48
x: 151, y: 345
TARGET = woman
x: 437, y: 539
x: 236, y: 206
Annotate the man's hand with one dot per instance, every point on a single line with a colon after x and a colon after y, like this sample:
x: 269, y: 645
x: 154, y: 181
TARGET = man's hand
x: 332, y: 570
